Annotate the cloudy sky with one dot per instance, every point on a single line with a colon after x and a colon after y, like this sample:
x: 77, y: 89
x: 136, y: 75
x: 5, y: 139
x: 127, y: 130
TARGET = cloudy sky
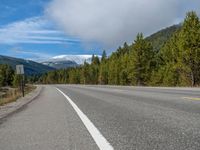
x: 39, y: 29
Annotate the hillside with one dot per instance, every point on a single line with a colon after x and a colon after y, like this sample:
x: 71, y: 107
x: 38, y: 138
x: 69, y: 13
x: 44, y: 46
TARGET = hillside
x: 31, y: 67
x: 159, y: 38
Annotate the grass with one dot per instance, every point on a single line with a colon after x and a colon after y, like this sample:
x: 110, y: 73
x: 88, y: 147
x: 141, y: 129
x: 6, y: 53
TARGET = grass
x: 8, y: 95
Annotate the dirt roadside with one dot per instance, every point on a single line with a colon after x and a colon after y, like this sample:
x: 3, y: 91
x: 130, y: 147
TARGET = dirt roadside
x: 13, y: 107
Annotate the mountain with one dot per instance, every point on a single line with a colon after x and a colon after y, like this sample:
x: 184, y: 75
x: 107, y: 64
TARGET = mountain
x: 30, y: 67
x: 159, y: 38
x: 67, y: 61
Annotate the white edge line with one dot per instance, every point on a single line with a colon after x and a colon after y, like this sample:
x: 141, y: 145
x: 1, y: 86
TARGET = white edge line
x: 99, y: 139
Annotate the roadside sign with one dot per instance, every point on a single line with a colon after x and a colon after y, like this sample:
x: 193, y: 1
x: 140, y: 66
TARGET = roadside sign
x: 20, y: 69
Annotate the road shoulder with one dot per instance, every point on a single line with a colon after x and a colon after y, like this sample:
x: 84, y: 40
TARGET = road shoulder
x: 13, y: 107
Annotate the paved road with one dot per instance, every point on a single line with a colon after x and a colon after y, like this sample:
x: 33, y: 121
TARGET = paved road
x: 128, y: 118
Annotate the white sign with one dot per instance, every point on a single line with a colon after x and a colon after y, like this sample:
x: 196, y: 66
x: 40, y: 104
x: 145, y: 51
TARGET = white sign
x: 20, y: 69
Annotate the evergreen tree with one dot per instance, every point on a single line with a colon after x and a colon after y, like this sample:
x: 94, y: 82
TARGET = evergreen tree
x: 169, y: 70
x: 103, y: 73
x: 103, y: 69
x: 104, y: 56
x: 125, y: 48
x: 141, y: 57
x: 95, y: 60
x: 190, y: 47
x: 85, y: 76
x: 6, y: 75
x: 124, y: 80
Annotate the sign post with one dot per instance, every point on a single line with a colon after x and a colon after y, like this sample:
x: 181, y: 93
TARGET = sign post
x: 20, y: 71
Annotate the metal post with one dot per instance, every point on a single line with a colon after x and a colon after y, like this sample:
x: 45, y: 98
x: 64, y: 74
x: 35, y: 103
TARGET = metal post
x: 20, y: 71
x: 23, y: 85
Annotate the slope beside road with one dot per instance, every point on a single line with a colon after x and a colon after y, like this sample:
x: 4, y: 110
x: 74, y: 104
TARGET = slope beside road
x: 126, y: 117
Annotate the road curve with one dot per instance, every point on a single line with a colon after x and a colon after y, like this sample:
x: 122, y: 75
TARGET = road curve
x: 126, y: 117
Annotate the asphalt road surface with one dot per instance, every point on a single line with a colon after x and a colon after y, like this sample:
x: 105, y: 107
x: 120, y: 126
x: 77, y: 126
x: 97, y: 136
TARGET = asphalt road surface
x: 76, y: 117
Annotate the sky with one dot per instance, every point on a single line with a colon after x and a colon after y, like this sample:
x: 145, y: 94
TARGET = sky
x: 40, y: 29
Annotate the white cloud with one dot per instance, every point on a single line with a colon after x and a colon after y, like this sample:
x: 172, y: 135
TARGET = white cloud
x: 113, y: 22
x: 35, y: 56
x: 21, y: 51
x: 36, y: 30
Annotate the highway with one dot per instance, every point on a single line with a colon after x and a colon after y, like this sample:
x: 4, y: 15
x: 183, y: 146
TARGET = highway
x: 78, y: 117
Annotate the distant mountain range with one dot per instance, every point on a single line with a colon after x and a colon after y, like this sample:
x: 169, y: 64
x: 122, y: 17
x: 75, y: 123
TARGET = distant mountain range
x: 30, y: 67
x: 66, y: 61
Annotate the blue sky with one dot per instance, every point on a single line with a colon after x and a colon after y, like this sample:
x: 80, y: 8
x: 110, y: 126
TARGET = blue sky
x: 40, y: 29
x: 25, y: 32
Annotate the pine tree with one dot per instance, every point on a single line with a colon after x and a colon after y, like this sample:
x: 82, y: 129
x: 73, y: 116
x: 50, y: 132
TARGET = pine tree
x: 124, y: 70
x: 104, y: 56
x: 169, y: 72
x: 6, y: 75
x: 125, y: 48
x: 140, y: 61
x: 103, y: 69
x: 190, y: 47
x: 85, y: 76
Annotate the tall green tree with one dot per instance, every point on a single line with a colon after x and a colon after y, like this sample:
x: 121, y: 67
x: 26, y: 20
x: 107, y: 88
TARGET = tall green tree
x: 85, y: 75
x: 6, y: 75
x: 124, y: 61
x: 190, y: 47
x: 140, y: 61
x: 169, y: 71
x: 103, y: 70
x: 104, y: 56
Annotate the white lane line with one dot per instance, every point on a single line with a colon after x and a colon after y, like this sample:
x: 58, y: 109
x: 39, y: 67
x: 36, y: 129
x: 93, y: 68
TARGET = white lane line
x: 99, y: 139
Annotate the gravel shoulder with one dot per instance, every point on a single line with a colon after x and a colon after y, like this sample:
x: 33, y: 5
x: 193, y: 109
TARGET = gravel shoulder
x: 13, y: 107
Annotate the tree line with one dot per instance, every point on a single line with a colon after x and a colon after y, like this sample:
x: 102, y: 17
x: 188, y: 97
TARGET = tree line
x: 176, y: 63
x: 8, y: 77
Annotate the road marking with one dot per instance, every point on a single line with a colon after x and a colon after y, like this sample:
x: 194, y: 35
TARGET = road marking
x: 99, y: 139
x: 192, y: 98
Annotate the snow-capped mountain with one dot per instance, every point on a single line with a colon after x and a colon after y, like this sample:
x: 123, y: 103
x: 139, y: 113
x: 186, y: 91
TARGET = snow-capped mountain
x: 66, y: 61
x: 79, y: 59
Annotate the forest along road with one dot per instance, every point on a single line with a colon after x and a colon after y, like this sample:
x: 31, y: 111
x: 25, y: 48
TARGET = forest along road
x: 77, y: 117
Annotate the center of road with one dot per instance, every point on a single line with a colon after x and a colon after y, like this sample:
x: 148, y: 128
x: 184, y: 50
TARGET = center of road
x: 99, y: 139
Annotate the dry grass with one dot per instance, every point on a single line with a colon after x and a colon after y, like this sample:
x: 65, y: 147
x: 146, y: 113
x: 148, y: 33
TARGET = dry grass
x: 12, y: 94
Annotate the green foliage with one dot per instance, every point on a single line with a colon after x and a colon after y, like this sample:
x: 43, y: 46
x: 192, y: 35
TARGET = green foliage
x: 104, y: 56
x: 141, y: 56
x: 190, y: 47
x: 17, y: 80
x: 103, y: 69
x: 180, y: 56
x: 6, y: 75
